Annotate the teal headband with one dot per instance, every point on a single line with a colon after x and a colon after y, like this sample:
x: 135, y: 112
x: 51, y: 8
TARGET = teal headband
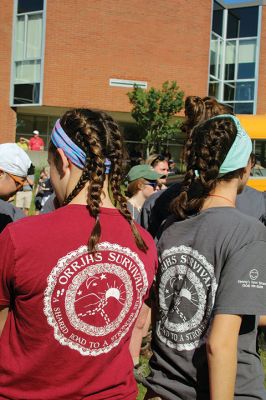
x: 239, y: 153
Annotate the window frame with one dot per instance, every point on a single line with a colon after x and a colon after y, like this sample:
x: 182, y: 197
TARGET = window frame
x: 25, y: 58
x: 220, y: 80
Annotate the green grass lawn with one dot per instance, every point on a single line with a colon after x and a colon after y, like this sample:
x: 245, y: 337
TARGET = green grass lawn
x: 263, y: 359
x: 142, y: 390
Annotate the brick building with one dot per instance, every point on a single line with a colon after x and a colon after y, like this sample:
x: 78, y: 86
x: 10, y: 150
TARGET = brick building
x: 56, y: 55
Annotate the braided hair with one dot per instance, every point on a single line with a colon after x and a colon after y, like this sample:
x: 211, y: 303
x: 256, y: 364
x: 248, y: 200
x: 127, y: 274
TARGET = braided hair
x: 205, y: 151
x: 199, y: 109
x: 194, y: 110
x: 98, y: 135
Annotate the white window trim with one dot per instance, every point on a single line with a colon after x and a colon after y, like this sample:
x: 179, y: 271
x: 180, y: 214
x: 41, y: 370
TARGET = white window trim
x: 13, y: 61
x: 221, y: 81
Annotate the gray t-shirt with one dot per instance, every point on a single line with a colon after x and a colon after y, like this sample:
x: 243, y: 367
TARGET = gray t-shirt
x: 8, y: 213
x: 211, y: 263
x: 133, y: 211
x: 252, y: 202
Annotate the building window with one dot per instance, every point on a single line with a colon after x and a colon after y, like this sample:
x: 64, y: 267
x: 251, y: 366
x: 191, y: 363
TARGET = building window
x: 234, y: 57
x: 27, y: 123
x: 25, y: 6
x: 242, y: 22
x: 217, y: 18
x: 28, y: 52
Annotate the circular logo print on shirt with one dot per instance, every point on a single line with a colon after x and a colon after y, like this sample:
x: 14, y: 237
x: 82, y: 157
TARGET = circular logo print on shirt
x: 93, y: 299
x: 187, y: 288
x: 254, y: 274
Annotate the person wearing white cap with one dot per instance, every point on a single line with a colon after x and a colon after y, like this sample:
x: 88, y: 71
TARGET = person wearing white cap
x: 36, y: 143
x: 14, y: 166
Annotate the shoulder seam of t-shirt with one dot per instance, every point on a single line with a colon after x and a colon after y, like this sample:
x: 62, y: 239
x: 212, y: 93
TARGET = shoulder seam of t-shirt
x: 252, y: 242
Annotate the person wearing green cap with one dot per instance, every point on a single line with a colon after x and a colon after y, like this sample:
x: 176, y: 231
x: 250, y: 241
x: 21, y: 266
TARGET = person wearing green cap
x: 142, y: 183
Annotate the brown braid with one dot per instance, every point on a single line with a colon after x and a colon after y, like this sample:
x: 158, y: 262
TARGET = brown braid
x: 199, y: 109
x: 116, y: 157
x: 98, y: 136
x: 205, y: 151
x: 95, y: 188
x: 194, y: 110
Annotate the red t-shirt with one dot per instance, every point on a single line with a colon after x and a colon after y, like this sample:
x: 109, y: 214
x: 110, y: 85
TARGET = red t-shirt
x: 36, y: 143
x: 72, y: 313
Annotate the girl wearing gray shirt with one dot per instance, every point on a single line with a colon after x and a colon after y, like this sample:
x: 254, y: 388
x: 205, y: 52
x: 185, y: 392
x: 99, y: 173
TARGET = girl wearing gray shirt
x: 211, y: 282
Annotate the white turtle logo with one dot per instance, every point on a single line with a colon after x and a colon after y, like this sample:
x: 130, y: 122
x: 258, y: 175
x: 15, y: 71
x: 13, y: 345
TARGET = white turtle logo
x: 254, y: 274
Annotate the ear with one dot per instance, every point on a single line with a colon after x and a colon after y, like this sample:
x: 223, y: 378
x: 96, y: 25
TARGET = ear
x: 140, y: 185
x: 63, y: 163
x: 248, y: 167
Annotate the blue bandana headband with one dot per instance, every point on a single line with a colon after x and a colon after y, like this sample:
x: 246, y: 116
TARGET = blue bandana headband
x: 239, y: 153
x: 73, y: 152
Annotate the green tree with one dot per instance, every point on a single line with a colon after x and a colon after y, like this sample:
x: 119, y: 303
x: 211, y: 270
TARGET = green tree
x: 153, y: 111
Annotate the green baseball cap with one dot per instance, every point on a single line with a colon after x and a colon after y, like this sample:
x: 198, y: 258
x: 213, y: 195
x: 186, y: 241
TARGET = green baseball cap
x: 144, y: 171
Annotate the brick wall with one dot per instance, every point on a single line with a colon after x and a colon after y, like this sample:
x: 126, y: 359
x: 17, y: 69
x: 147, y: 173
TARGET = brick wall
x: 88, y: 42
x: 8, y: 116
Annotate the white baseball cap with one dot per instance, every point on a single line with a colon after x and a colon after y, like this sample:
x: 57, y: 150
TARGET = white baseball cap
x: 14, y: 160
x: 35, y: 132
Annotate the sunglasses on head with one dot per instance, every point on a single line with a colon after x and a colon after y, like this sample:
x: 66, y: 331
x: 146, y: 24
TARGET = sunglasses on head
x: 160, y: 157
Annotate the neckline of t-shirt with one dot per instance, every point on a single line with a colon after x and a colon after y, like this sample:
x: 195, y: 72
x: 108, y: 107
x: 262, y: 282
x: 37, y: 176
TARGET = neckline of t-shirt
x: 217, y: 208
x: 103, y: 210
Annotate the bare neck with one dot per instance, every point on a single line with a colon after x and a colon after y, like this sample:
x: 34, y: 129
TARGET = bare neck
x: 224, y: 195
x: 106, y: 202
x: 137, y: 200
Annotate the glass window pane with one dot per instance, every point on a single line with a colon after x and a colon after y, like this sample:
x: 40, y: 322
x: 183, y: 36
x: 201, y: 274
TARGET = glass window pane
x: 52, y: 121
x: 244, y: 108
x: 20, y: 36
x: 260, y: 151
x: 233, y: 25
x: 230, y: 60
x: 41, y: 124
x: 246, y: 59
x: 229, y: 92
x: 217, y: 18
x: 27, y: 71
x: 231, y: 105
x: 242, y: 22
x: 213, y: 56
x: 29, y: 5
x: 245, y: 91
x: 34, y: 36
x: 25, y: 125
x: 214, y: 89
x: 27, y: 93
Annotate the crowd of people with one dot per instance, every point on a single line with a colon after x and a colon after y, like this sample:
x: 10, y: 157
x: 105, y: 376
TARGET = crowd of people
x: 109, y: 255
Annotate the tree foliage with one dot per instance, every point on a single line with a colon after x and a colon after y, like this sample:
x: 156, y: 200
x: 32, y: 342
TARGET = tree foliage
x: 153, y: 111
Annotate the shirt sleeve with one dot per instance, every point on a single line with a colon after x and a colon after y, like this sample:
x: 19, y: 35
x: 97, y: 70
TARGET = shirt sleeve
x: 242, y: 286
x: 7, y: 264
x: 153, y: 266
